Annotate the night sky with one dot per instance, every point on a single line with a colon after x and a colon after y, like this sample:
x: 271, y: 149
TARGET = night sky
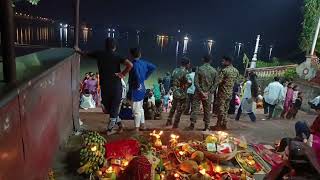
x: 278, y: 21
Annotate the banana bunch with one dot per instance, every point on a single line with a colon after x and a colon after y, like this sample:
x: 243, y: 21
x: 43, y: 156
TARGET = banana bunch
x: 92, y: 154
x: 91, y: 138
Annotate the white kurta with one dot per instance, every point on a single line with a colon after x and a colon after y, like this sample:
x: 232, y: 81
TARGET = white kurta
x: 274, y: 93
x: 87, y: 102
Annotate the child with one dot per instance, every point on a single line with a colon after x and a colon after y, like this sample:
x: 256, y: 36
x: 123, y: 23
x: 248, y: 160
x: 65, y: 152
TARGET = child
x: 295, y: 108
x: 87, y: 101
x: 149, y: 106
x: 166, y: 100
x: 140, y: 72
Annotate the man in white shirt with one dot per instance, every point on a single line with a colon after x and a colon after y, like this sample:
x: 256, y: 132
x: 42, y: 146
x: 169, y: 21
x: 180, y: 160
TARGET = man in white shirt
x: 190, y: 91
x: 273, y: 95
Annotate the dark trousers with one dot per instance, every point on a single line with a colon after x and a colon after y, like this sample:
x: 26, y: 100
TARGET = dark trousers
x: 111, y: 100
x: 268, y: 108
x: 251, y: 115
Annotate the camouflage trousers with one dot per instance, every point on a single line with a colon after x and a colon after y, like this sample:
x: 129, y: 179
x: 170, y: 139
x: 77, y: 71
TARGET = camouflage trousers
x: 195, y: 109
x: 178, y: 107
x: 172, y: 110
x: 222, y: 110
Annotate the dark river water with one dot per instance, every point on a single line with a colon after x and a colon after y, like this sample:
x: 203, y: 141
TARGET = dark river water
x: 164, y: 50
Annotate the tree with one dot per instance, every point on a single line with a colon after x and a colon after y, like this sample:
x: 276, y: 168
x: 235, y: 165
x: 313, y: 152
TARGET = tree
x: 33, y: 2
x: 311, y: 11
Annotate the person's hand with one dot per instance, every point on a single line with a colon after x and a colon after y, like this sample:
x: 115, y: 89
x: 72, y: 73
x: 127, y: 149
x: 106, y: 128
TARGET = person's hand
x: 77, y: 49
x: 204, y: 96
x: 305, y: 140
x: 119, y: 75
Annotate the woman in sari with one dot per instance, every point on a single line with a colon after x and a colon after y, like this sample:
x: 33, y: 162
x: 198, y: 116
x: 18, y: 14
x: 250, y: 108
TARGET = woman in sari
x: 91, y: 84
x: 288, y: 100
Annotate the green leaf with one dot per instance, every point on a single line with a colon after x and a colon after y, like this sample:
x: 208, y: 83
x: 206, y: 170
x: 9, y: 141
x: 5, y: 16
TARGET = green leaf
x: 311, y: 12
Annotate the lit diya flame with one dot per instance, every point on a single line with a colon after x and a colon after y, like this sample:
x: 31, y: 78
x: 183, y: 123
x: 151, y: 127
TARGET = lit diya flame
x: 176, y: 175
x: 203, y: 171
x: 125, y: 163
x: 156, y: 135
x: 94, y: 148
x: 158, y: 142
x: 109, y: 170
x: 218, y: 169
x: 174, y: 139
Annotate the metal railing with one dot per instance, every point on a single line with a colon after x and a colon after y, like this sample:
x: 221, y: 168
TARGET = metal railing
x: 271, y: 71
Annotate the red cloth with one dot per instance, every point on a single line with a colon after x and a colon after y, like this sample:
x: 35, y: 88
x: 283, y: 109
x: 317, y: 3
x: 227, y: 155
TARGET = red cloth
x: 138, y: 169
x: 272, y: 158
x: 122, y: 149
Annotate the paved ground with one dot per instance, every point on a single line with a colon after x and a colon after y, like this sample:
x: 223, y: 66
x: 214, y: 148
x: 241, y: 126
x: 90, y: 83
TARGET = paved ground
x: 261, y: 131
x: 267, y: 132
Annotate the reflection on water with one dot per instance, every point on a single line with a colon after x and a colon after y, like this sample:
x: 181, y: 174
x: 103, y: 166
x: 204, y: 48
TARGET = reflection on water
x: 177, y: 53
x: 209, y: 45
x: 111, y: 33
x: 138, y: 37
x: 48, y: 34
x: 162, y: 41
x: 185, y: 45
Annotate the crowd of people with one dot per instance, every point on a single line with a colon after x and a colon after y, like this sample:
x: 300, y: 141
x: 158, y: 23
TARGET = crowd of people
x: 191, y: 90
x: 187, y: 90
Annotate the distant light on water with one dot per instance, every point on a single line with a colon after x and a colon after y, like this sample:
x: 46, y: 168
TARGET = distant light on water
x: 209, y: 45
x: 162, y: 41
x: 177, y: 53
x: 185, y: 44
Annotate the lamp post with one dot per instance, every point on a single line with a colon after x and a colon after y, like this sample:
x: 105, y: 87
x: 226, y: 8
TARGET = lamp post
x: 239, y: 45
x: 315, y: 39
x: 7, y: 41
x: 76, y: 23
x: 255, y: 55
x: 270, y: 51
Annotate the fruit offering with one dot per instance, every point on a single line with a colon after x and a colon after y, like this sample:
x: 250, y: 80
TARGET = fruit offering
x: 247, y: 161
x: 92, y: 154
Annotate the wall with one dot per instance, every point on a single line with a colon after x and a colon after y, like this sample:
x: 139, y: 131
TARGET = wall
x: 35, y: 118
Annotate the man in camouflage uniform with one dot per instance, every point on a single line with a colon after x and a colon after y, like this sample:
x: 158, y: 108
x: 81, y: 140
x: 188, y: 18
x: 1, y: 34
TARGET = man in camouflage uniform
x: 180, y: 85
x: 226, y: 80
x: 204, y: 82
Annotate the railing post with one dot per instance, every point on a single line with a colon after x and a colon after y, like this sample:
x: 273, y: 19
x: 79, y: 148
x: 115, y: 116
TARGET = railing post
x: 7, y: 41
x: 75, y: 70
x: 76, y: 23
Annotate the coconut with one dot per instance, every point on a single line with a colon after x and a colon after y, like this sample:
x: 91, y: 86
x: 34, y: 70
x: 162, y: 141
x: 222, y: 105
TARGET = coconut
x: 189, y: 166
x: 199, y: 176
x: 197, y: 156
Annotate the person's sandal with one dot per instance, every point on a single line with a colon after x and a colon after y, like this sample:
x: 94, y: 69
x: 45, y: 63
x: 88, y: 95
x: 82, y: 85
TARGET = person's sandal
x: 142, y: 127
